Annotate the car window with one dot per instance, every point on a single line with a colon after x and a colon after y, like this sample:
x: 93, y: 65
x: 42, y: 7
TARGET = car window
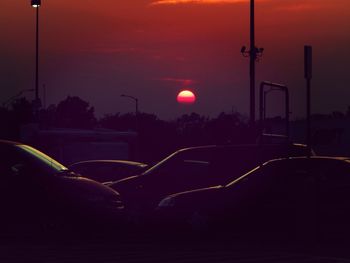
x: 33, y: 161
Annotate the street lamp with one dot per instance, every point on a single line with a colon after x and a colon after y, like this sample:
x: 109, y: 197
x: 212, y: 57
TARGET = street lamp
x: 36, y: 4
x: 136, y: 102
x: 136, y: 108
x: 136, y: 156
x: 16, y: 96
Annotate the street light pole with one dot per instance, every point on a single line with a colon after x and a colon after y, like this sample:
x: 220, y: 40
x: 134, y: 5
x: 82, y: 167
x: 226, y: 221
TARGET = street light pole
x: 136, y: 156
x: 16, y: 96
x: 36, y: 4
x: 37, y: 56
x: 136, y: 109
x: 136, y: 103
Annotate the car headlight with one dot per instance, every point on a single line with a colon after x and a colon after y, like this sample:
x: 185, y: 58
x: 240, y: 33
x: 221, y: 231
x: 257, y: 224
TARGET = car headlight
x: 167, y: 202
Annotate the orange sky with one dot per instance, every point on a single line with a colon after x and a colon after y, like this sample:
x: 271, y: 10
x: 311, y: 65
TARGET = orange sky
x: 100, y: 49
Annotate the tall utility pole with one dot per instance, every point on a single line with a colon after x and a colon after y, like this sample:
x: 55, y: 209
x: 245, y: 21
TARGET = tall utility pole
x: 252, y: 63
x: 254, y: 53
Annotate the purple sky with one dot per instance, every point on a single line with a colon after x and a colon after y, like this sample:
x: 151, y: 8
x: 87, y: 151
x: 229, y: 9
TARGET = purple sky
x: 153, y: 49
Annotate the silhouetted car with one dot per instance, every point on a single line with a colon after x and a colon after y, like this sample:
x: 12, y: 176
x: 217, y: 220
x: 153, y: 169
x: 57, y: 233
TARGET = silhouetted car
x: 197, y: 167
x: 37, y: 193
x: 107, y: 170
x: 284, y: 196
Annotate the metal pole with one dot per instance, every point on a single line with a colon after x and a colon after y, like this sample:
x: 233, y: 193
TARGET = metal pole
x: 287, y: 112
x: 308, y: 77
x: 37, y: 58
x: 137, y: 106
x: 263, y: 104
x: 252, y: 63
x: 308, y: 116
x: 44, y: 96
x: 137, y: 115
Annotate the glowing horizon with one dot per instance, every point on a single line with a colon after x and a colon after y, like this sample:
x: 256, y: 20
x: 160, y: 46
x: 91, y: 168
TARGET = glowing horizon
x: 160, y: 47
x: 174, y: 2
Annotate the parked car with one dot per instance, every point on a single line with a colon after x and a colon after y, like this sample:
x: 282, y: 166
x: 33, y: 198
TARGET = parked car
x: 196, y: 167
x: 38, y: 193
x: 290, y: 196
x: 107, y: 170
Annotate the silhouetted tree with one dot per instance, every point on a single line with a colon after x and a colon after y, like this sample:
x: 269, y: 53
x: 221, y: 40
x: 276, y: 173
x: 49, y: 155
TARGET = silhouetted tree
x: 228, y: 128
x: 124, y: 122
x: 156, y: 138
x: 191, y: 129
x: 337, y: 115
x: 73, y: 112
x: 9, y: 128
x: 22, y: 111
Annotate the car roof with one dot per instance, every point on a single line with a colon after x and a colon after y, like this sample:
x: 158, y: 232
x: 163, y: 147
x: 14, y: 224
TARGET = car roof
x: 6, y: 142
x: 302, y: 158
x: 314, y: 158
x: 252, y: 145
x: 111, y: 161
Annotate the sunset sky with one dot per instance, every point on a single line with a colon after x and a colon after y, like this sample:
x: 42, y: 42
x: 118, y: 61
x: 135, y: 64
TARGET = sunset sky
x: 98, y: 50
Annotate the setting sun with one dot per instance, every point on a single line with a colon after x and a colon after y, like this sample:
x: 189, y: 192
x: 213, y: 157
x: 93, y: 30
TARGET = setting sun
x: 186, y: 97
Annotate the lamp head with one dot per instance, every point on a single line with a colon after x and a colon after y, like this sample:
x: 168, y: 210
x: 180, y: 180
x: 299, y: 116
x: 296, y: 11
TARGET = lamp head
x: 35, y: 3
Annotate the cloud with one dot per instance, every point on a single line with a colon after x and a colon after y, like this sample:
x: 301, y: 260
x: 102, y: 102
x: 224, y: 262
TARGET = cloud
x: 174, y: 2
x: 299, y: 7
x: 184, y: 82
x: 112, y: 50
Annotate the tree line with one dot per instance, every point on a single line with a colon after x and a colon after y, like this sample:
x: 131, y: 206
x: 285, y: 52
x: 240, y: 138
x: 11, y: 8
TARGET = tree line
x: 156, y: 137
x: 154, y: 134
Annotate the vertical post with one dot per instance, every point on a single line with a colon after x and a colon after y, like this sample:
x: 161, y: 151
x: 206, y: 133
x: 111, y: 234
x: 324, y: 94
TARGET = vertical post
x: 137, y: 128
x: 137, y: 114
x: 137, y: 106
x: 137, y: 146
x: 37, y: 59
x: 308, y: 116
x: 287, y: 112
x: 252, y: 63
x: 265, y: 104
x: 44, y: 96
x: 308, y: 76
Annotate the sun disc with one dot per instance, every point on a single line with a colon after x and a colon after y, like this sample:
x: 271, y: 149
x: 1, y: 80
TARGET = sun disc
x: 186, y: 97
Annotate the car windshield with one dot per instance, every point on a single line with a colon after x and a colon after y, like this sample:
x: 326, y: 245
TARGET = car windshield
x: 160, y: 164
x: 45, y: 162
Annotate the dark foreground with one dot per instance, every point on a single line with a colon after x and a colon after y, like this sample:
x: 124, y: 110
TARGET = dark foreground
x: 150, y: 249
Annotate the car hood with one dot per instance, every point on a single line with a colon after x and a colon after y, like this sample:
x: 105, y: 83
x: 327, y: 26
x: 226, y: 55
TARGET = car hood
x: 83, y: 188
x: 127, y: 184
x: 203, y: 197
x: 198, y: 192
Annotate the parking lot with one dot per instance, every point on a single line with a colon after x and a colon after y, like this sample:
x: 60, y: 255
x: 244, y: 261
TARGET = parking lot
x: 152, y: 251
